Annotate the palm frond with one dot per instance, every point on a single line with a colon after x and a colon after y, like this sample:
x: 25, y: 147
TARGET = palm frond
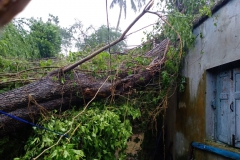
x: 114, y: 2
x: 125, y: 8
x: 134, y: 8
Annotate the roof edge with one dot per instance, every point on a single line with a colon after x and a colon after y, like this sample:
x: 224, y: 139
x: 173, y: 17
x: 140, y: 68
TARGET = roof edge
x: 215, y: 8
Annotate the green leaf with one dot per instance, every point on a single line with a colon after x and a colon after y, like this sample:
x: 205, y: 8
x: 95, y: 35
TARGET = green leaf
x: 65, y: 154
x: 94, y: 135
x: 54, y: 154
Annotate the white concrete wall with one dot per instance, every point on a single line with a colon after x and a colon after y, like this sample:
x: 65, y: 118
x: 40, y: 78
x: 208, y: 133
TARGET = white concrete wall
x: 219, y: 45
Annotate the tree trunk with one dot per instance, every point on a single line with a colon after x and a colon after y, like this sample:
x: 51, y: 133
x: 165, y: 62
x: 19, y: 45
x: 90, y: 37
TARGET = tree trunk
x: 28, y: 101
x: 120, y: 14
x: 32, y: 113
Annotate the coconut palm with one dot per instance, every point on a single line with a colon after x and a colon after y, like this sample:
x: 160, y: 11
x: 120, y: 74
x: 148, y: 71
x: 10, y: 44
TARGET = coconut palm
x: 123, y: 6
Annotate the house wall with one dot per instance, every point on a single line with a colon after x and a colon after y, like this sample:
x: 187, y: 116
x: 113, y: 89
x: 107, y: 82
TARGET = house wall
x: 192, y: 118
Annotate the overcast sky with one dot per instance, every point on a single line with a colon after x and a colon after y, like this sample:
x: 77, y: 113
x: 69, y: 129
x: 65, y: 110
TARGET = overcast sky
x: 89, y: 12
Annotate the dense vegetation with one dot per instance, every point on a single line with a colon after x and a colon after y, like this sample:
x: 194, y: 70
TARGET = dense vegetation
x: 96, y: 129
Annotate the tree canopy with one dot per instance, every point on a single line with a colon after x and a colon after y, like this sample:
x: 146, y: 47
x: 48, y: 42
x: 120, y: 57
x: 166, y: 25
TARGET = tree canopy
x: 47, y: 37
x: 30, y: 38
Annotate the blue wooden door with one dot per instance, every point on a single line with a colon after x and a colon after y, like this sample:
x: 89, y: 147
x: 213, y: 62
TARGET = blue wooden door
x: 223, y: 111
x: 228, y: 107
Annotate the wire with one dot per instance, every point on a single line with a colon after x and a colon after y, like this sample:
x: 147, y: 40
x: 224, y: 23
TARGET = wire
x: 32, y: 124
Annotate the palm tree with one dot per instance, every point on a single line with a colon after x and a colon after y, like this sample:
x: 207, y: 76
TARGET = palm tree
x: 123, y: 5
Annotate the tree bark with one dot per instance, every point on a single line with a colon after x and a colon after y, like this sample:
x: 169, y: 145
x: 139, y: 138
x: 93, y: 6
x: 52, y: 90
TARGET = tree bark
x: 28, y: 101
x: 31, y: 114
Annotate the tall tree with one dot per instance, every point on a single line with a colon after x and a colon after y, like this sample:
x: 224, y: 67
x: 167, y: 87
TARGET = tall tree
x: 16, y: 42
x: 47, y: 37
x: 123, y: 5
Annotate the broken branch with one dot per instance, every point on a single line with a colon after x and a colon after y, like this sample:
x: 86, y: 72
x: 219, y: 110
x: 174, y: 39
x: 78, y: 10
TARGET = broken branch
x: 70, y: 67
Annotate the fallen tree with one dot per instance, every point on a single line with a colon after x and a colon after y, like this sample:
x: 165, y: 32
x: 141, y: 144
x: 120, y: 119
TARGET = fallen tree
x: 50, y: 93
x: 59, y: 90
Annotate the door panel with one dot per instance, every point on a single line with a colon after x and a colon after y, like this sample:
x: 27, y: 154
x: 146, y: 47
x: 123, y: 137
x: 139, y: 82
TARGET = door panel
x: 228, y: 107
x: 223, y: 88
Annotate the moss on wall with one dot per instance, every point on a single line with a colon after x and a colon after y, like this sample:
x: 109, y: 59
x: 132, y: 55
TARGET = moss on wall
x: 190, y: 118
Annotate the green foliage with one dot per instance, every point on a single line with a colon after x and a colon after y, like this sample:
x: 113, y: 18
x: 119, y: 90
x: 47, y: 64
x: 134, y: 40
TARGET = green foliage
x: 16, y: 72
x: 24, y: 41
x: 178, y: 29
x: 97, y: 134
x: 182, y: 84
x: 101, y: 65
x: 190, y: 7
x: 183, y: 26
x: 181, y: 15
x: 47, y: 37
x: 15, y: 42
x: 45, y: 63
x: 103, y: 36
x: 205, y: 11
x: 33, y: 38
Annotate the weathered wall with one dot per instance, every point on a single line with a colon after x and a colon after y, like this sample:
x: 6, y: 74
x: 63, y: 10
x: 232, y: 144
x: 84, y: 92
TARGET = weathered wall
x: 215, y: 45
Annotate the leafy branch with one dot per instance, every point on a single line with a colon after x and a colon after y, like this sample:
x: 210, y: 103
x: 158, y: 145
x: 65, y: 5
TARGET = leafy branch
x: 122, y: 37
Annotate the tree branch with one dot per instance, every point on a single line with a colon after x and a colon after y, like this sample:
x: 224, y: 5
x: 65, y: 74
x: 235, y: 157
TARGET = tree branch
x: 70, y: 67
x: 180, y: 39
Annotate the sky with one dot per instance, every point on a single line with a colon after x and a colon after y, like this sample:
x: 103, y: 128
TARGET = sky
x: 89, y: 12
